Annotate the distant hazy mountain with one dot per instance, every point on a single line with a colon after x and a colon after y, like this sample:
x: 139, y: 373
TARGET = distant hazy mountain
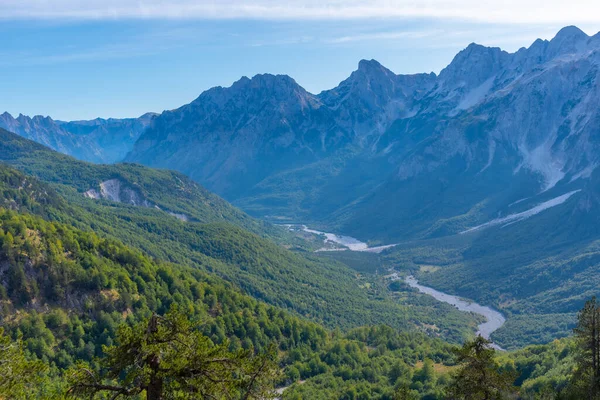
x: 98, y: 140
x: 114, y: 137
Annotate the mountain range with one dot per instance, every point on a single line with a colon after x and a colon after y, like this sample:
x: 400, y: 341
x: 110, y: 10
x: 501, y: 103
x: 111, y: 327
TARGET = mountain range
x: 388, y: 157
x: 486, y: 172
x: 382, y: 157
x: 99, y: 140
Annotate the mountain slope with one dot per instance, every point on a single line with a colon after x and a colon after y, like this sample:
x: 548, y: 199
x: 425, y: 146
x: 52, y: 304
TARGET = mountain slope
x: 533, y: 131
x: 232, y: 138
x: 114, y: 137
x: 66, y: 293
x: 166, y: 191
x: 320, y: 289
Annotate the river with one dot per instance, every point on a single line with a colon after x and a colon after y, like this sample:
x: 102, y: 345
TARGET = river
x: 348, y: 242
x: 494, y: 320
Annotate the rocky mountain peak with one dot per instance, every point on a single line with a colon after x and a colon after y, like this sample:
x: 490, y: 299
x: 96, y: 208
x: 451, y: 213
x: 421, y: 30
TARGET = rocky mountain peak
x: 371, y: 82
x: 148, y: 115
x: 568, y: 40
x: 96, y: 140
x: 474, y: 65
x: 372, y: 97
x: 372, y: 66
x: 258, y: 90
x: 7, y: 121
x: 271, y: 79
x: 372, y: 70
x: 266, y: 82
x: 41, y: 118
x: 570, y: 33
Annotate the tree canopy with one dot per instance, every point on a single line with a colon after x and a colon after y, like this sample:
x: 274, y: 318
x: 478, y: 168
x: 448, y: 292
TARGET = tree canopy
x: 479, y: 376
x: 169, y: 358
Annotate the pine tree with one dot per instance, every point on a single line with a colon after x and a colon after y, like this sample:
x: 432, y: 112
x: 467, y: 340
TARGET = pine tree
x: 479, y: 377
x: 587, y: 336
x: 168, y: 358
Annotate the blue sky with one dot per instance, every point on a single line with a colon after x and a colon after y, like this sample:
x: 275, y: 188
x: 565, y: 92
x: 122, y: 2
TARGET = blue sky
x: 75, y: 59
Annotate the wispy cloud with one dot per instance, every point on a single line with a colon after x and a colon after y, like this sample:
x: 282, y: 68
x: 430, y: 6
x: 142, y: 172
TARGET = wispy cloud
x: 386, y: 35
x: 506, y: 11
x: 74, y: 55
x: 283, y: 42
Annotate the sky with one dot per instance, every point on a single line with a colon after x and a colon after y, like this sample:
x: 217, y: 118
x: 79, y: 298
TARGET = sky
x: 82, y: 59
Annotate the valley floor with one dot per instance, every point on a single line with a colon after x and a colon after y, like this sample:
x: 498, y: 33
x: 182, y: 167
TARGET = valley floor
x: 508, y: 330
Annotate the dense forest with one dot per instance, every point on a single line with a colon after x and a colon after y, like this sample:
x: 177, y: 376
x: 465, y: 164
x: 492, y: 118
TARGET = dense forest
x: 68, y: 291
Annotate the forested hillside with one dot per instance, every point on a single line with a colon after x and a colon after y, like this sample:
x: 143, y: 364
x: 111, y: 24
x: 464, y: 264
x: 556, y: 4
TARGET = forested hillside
x: 320, y: 289
x: 139, y: 186
x: 66, y: 292
x: 538, y: 271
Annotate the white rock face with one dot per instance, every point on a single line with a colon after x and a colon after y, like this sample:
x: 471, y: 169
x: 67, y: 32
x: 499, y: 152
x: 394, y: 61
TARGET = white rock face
x: 117, y: 191
x: 476, y: 95
x: 92, y: 194
x: 179, y: 216
x: 111, y: 190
